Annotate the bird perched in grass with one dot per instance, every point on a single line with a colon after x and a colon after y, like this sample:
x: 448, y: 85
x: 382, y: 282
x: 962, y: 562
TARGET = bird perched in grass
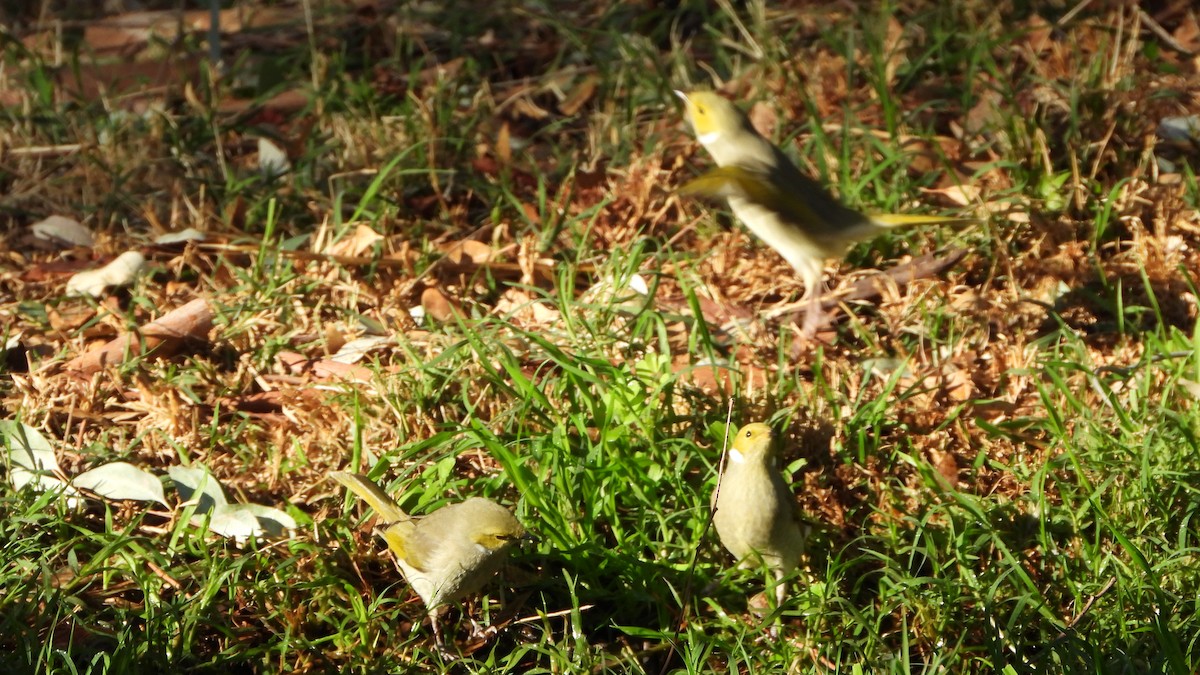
x: 754, y: 511
x: 446, y: 554
x: 793, y: 213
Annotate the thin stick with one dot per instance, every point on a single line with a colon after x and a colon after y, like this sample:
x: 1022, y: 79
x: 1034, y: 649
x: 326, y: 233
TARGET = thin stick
x: 1156, y: 28
x: 869, y: 287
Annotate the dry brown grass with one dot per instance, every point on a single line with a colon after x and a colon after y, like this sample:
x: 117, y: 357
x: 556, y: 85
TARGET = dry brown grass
x: 529, y: 147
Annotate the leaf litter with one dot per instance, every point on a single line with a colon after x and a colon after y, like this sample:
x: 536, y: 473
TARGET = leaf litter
x: 384, y: 276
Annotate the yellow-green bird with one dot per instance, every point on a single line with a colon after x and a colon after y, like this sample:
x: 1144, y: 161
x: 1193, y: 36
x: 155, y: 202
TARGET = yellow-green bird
x: 793, y: 213
x: 754, y: 511
x: 446, y: 554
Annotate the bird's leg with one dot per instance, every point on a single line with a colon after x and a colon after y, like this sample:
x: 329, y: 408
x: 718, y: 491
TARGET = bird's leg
x: 437, y: 632
x: 780, y: 589
x: 780, y: 595
x: 812, y: 271
x: 435, y: 621
x: 480, y: 631
x: 812, y: 318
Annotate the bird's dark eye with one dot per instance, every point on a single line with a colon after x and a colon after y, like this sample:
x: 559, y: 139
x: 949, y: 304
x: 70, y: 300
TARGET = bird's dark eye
x: 749, y: 434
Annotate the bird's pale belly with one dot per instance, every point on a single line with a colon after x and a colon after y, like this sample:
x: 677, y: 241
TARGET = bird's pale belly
x: 788, y: 240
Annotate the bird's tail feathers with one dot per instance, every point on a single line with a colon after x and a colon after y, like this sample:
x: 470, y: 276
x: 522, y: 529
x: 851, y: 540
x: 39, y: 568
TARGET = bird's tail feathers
x: 901, y: 220
x: 372, y: 494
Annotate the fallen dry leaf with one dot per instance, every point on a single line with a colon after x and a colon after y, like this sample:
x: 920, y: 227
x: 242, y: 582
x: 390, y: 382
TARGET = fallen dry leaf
x: 946, y: 465
x: 324, y: 369
x: 504, y: 145
x: 132, y: 85
x: 163, y: 336
x: 438, y: 306
x: 62, y: 231
x: 720, y: 378
x: 580, y: 95
x: 468, y: 250
x: 959, y: 195
x: 122, y: 271
x: 764, y: 118
x: 358, y: 243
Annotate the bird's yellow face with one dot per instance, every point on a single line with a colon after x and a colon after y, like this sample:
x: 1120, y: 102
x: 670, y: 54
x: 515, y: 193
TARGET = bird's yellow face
x: 493, y: 531
x: 752, y: 443
x: 711, y: 115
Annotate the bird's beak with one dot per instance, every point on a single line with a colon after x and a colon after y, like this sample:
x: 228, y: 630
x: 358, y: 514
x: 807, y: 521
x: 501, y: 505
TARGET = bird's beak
x: 681, y: 95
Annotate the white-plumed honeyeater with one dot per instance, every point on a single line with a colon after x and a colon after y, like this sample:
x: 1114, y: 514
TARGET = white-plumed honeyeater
x: 793, y: 213
x: 754, y: 511
x: 445, y: 554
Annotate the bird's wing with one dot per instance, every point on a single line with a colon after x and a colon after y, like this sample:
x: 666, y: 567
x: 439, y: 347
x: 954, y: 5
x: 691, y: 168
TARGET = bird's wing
x: 753, y: 186
x: 411, y: 543
x: 804, y: 203
x: 724, y: 182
